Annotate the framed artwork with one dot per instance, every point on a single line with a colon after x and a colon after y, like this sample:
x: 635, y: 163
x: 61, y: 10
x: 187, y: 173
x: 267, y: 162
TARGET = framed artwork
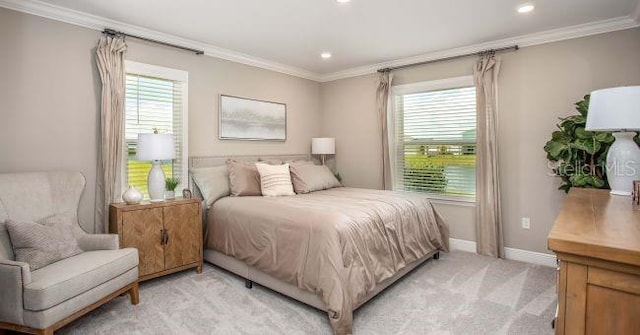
x: 252, y: 119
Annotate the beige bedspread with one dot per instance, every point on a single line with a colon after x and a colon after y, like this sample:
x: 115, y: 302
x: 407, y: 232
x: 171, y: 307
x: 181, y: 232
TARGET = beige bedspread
x: 337, y: 243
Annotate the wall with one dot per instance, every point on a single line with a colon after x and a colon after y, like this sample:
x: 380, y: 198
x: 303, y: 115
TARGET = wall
x: 536, y: 86
x: 50, y: 89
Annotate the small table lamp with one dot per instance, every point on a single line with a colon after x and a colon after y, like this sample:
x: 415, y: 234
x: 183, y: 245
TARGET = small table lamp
x: 323, y: 146
x: 156, y: 147
x: 618, y: 110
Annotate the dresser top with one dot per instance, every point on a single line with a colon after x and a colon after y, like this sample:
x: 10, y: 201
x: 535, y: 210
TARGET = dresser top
x: 149, y: 205
x: 593, y: 223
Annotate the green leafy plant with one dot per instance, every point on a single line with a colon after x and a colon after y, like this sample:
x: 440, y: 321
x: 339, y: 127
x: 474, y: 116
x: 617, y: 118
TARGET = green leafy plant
x: 171, y: 183
x: 579, y: 155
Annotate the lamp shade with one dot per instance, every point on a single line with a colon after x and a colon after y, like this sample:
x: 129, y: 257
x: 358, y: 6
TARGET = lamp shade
x: 156, y: 147
x: 323, y: 146
x: 614, y: 109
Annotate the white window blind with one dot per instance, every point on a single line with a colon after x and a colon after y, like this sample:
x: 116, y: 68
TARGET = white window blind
x: 153, y: 102
x: 435, y: 133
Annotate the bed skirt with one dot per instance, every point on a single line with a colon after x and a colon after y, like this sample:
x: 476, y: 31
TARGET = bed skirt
x: 254, y: 275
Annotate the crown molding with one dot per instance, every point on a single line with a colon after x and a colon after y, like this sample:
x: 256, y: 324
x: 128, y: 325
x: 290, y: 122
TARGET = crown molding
x: 95, y: 22
x: 99, y: 23
x: 554, y: 35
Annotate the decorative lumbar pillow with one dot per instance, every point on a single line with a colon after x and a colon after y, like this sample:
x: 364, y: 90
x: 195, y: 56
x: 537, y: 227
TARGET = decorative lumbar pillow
x: 244, y: 179
x: 213, y: 182
x: 275, y: 180
x: 309, y: 178
x: 42, y: 243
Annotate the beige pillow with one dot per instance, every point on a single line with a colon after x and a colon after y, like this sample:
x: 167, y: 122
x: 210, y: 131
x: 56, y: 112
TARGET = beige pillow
x: 213, y: 182
x: 309, y: 178
x: 42, y: 243
x: 275, y: 180
x: 244, y: 179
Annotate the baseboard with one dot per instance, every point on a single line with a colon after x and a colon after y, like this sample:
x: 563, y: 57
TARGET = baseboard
x: 509, y: 253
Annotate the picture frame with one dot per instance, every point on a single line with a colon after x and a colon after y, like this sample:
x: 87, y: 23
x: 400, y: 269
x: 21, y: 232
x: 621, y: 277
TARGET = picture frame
x: 249, y: 119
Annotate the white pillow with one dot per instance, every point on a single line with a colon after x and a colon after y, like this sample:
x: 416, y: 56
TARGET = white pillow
x: 213, y: 182
x: 275, y: 180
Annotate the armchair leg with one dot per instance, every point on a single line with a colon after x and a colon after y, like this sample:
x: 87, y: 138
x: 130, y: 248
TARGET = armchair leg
x: 134, y: 293
x: 47, y: 331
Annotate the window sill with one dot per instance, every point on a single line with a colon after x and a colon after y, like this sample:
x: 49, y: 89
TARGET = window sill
x: 464, y: 202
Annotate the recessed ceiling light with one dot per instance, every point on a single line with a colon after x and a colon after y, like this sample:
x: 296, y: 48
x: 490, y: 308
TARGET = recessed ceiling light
x: 325, y: 55
x: 343, y: 1
x: 526, y: 8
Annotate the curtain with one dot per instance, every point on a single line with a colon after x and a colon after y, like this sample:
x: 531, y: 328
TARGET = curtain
x: 110, y: 62
x: 488, y: 218
x: 383, y: 95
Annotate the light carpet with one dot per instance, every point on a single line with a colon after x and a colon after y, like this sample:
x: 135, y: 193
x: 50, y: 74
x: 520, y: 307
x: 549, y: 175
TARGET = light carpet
x: 462, y: 293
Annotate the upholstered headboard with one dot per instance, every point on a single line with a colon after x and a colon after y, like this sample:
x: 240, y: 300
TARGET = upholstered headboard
x: 208, y: 161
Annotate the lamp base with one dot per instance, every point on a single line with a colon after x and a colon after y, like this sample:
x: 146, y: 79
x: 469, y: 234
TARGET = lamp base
x: 623, y: 164
x: 155, y: 182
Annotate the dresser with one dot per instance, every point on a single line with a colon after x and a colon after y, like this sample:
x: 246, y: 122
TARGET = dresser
x: 167, y: 234
x: 596, y: 238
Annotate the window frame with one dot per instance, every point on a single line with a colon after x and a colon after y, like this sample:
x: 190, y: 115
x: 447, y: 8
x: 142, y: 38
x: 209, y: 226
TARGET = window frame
x: 427, y: 86
x: 161, y: 72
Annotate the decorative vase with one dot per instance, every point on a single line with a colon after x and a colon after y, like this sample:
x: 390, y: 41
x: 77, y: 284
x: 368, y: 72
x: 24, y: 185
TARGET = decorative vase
x: 169, y: 195
x: 132, y: 196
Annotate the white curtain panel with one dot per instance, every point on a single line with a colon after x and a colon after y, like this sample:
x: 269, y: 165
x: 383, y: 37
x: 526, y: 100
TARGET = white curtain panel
x: 110, y: 62
x: 383, y: 105
x: 488, y: 212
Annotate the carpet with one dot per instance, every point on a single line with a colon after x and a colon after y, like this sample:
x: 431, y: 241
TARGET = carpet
x: 461, y: 293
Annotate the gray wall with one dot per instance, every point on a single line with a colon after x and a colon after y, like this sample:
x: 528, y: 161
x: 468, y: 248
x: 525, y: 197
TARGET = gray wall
x: 50, y: 89
x: 536, y: 86
x: 49, y: 98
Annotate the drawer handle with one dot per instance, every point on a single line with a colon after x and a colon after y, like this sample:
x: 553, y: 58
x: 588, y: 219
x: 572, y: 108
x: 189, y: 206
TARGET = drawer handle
x: 161, y: 236
x: 165, y: 237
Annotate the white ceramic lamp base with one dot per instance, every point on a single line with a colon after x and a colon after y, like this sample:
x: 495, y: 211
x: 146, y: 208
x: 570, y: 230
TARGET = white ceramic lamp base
x: 155, y: 182
x: 623, y: 163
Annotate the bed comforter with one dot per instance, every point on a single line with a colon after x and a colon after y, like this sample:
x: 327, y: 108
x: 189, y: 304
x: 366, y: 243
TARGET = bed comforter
x: 337, y: 243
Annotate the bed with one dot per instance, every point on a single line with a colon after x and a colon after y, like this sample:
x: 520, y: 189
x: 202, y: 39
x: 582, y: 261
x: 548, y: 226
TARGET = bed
x: 333, y: 249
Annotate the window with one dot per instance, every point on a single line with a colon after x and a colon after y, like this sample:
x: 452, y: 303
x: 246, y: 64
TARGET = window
x: 435, y: 138
x: 155, y: 97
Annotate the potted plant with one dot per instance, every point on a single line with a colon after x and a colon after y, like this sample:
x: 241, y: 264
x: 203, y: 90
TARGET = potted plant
x: 170, y: 185
x: 578, y: 156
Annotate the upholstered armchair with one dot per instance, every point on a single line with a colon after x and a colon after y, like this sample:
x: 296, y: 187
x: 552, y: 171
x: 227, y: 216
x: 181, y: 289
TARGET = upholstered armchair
x: 42, y: 301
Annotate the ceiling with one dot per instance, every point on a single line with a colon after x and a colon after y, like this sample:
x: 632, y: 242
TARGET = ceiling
x: 358, y: 33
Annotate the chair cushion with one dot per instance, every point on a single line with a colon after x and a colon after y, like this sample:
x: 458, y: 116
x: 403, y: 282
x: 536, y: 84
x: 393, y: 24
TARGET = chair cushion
x: 42, y: 243
x: 70, y: 277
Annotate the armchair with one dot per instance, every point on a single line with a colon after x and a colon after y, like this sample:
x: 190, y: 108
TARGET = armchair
x: 44, y: 300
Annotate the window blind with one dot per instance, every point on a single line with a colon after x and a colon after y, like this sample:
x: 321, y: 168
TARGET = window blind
x: 436, y: 141
x: 152, y: 103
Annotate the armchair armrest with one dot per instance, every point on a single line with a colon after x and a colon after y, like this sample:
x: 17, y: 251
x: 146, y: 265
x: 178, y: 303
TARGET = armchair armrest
x: 91, y: 242
x: 13, y: 276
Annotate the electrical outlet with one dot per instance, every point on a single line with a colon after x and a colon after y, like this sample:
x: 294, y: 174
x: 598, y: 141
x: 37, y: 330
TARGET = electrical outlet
x: 526, y: 223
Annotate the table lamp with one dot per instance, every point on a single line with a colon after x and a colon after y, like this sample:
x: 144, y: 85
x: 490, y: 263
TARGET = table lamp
x: 618, y: 110
x: 323, y: 146
x: 155, y: 148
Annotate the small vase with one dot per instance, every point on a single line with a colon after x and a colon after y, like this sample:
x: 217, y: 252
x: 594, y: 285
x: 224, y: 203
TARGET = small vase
x: 132, y: 196
x: 169, y: 195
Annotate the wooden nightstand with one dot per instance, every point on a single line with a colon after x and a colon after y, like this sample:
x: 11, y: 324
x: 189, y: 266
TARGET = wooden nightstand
x: 167, y: 234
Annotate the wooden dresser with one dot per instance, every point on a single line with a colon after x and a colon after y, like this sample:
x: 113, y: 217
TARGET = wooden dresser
x: 167, y: 234
x: 597, y: 240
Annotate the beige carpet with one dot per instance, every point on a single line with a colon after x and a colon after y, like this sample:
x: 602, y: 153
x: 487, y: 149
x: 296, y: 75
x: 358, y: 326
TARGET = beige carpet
x: 461, y: 293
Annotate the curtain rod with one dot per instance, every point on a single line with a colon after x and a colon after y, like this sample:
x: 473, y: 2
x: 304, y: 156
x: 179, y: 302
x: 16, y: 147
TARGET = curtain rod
x: 479, y: 53
x: 112, y: 32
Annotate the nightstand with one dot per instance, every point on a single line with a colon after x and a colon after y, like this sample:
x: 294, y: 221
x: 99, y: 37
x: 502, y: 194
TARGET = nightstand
x: 167, y: 234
